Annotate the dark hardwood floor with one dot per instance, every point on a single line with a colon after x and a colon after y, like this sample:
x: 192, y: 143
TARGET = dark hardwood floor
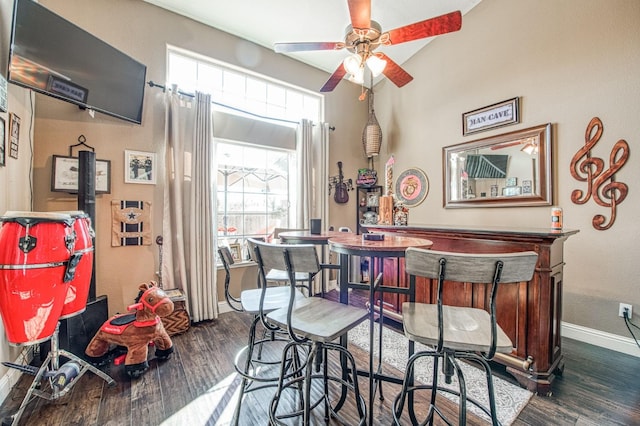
x: 198, y: 386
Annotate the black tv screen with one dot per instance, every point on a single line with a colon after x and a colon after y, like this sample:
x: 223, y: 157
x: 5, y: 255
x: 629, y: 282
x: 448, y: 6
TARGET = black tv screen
x: 52, y: 56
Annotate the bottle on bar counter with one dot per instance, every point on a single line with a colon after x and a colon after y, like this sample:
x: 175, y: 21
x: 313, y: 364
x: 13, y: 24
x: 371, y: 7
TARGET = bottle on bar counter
x: 556, y: 217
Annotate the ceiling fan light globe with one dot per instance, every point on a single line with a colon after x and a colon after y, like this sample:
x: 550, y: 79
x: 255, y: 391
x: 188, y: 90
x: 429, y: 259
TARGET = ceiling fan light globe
x: 353, y: 64
x: 376, y: 65
x: 358, y: 77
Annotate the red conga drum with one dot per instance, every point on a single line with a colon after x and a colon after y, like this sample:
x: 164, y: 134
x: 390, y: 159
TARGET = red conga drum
x: 76, y: 300
x: 35, y: 249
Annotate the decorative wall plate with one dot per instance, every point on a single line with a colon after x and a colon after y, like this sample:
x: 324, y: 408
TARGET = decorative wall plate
x: 412, y: 187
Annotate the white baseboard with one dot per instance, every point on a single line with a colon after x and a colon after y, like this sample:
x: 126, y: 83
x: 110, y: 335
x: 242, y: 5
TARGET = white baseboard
x: 603, y: 339
x: 8, y: 381
x: 332, y: 284
x: 223, y: 307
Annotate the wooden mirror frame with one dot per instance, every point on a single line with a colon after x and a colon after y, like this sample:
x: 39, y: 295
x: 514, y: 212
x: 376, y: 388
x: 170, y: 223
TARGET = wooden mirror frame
x: 539, y: 192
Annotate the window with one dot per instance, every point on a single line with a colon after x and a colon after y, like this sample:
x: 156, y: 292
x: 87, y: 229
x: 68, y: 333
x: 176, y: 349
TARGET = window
x: 236, y: 90
x: 256, y: 179
x: 253, y: 191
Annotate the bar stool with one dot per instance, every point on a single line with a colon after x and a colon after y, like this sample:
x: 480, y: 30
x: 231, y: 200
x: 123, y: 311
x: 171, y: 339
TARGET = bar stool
x: 313, y: 324
x: 258, y: 302
x: 457, y: 332
x: 277, y: 276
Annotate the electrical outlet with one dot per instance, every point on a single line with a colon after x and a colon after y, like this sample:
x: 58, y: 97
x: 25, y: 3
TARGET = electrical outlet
x: 624, y: 306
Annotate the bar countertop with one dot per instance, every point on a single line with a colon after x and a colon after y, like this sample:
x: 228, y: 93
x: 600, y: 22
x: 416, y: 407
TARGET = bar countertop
x: 476, y: 230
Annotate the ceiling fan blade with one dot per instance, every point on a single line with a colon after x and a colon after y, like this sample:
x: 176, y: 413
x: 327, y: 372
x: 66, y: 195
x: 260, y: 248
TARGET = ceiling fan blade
x: 428, y: 28
x: 307, y: 46
x: 394, y: 72
x: 335, y: 78
x: 360, y: 12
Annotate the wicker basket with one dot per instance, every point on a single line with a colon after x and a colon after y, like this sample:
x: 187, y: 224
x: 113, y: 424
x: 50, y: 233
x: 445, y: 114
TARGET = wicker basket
x: 372, y: 133
x: 179, y: 320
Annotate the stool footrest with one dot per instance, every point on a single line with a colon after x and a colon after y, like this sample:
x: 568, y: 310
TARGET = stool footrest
x: 29, y: 369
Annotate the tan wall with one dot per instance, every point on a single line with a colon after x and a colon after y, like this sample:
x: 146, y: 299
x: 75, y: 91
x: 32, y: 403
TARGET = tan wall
x: 142, y: 31
x: 568, y: 61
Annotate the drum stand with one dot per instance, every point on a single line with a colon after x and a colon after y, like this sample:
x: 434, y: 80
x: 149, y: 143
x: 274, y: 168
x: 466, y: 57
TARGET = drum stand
x: 60, y: 379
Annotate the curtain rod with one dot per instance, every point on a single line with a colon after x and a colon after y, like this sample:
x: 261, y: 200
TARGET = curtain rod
x: 191, y: 95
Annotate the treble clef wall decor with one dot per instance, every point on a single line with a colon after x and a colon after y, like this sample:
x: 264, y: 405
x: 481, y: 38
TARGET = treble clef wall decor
x: 601, y: 183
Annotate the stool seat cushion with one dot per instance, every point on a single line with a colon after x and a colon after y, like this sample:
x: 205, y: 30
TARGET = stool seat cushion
x: 320, y: 320
x: 274, y: 298
x: 465, y: 329
x: 280, y: 275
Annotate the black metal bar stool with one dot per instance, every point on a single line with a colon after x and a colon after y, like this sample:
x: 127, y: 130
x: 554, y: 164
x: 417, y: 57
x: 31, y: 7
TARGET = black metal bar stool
x: 277, y: 276
x: 255, y: 371
x: 453, y: 332
x: 313, y: 325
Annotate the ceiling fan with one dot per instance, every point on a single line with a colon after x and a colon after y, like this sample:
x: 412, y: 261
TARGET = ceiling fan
x: 364, y: 36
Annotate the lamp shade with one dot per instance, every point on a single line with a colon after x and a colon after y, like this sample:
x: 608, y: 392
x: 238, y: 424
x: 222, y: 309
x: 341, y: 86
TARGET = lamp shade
x: 376, y: 65
x: 352, y: 63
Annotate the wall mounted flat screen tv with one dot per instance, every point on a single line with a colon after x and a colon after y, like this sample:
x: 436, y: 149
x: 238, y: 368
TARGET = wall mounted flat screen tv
x: 52, y: 56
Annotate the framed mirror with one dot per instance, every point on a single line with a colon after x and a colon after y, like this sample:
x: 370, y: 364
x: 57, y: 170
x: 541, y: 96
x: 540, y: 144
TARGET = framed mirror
x: 512, y: 169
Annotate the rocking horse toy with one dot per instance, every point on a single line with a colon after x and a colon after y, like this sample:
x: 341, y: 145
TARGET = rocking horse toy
x: 136, y: 330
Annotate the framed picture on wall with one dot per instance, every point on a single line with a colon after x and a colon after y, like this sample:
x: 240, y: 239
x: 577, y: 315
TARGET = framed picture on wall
x: 64, y: 175
x: 15, y: 135
x: 492, y: 116
x: 140, y: 167
x: 3, y: 132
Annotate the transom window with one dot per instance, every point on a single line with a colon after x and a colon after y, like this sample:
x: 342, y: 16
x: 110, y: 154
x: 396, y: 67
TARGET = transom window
x: 241, y: 90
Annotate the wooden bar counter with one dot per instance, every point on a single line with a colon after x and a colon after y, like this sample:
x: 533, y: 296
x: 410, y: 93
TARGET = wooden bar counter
x: 529, y: 312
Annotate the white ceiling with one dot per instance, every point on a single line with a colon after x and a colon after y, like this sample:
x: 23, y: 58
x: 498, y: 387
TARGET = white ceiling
x: 266, y: 22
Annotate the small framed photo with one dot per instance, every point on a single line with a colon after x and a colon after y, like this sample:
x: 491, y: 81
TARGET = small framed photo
x: 511, y: 191
x: 64, y: 175
x: 512, y: 181
x: 372, y: 199
x: 3, y: 132
x: 14, y: 132
x: 527, y: 187
x: 140, y: 167
x: 236, y: 253
x: 494, y: 190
